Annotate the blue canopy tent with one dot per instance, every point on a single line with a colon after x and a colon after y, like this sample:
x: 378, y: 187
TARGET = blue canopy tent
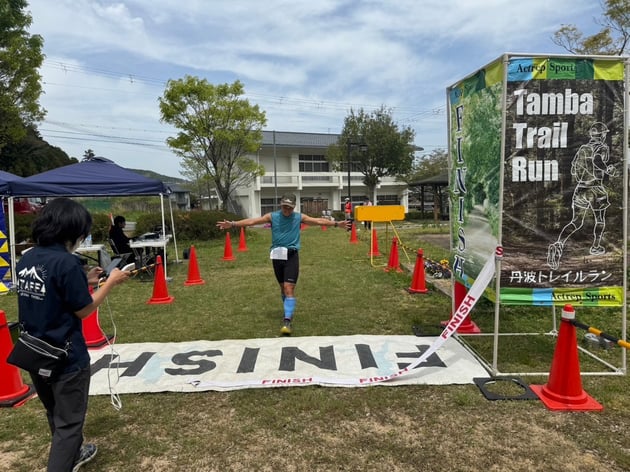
x: 92, y: 177
x: 5, y: 255
x: 5, y: 178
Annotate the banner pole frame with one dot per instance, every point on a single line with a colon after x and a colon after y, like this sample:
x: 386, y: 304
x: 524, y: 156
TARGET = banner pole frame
x: 623, y: 153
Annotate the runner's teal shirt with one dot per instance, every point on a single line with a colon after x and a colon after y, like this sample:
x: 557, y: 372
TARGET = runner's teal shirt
x: 285, y: 230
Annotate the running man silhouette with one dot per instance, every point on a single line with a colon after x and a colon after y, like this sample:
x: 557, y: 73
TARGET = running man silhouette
x: 589, y: 167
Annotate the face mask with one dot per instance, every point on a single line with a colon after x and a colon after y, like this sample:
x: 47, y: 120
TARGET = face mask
x: 76, y: 244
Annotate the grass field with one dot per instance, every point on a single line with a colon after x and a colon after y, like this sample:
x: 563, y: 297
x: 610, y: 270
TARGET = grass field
x: 413, y: 428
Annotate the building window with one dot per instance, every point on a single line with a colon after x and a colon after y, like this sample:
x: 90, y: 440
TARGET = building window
x: 388, y: 200
x: 267, y: 205
x: 313, y: 163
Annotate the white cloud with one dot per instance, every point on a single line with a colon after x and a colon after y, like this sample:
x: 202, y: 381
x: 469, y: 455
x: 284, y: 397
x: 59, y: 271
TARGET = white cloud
x: 305, y: 62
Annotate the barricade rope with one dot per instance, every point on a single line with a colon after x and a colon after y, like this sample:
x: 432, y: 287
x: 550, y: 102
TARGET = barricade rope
x: 464, y: 308
x: 437, y: 269
x: 601, y: 334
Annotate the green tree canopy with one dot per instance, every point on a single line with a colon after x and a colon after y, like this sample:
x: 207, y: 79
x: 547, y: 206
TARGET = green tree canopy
x: 612, y: 39
x: 217, y: 128
x: 428, y: 165
x: 20, y: 58
x: 32, y: 155
x: 375, y: 145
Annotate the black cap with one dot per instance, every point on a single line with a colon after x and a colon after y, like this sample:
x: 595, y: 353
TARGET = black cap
x: 288, y: 200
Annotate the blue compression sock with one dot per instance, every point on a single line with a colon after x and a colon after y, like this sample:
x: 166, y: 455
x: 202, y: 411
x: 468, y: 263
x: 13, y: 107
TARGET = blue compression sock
x: 289, y: 307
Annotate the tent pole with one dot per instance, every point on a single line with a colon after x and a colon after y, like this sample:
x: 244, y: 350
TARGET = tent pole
x: 170, y: 204
x: 163, y: 233
x: 12, y: 240
x: 163, y: 221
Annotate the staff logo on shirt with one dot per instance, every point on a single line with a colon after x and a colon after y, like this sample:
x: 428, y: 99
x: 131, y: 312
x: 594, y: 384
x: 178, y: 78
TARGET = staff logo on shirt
x: 31, y: 282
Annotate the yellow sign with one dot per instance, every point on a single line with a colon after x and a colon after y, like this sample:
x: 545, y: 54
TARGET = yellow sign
x: 379, y: 213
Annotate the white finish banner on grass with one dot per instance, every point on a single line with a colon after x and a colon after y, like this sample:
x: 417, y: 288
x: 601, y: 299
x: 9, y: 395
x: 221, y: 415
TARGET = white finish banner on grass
x: 342, y: 361
x: 280, y: 362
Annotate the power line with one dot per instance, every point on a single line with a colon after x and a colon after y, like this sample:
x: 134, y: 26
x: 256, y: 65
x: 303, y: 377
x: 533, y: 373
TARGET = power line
x: 124, y: 141
x: 313, y: 107
x: 275, y: 100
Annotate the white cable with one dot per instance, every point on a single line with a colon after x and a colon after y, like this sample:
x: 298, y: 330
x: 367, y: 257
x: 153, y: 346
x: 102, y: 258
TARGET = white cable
x: 113, y: 394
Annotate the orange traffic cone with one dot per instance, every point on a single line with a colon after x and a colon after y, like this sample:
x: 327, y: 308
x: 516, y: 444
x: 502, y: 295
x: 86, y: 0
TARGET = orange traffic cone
x: 564, y: 391
x: 374, y: 250
x: 160, y: 292
x: 92, y: 332
x: 13, y: 392
x: 468, y: 326
x: 353, y: 235
x: 242, y: 245
x: 418, y: 282
x: 193, y: 269
x: 227, y: 250
x: 393, y: 263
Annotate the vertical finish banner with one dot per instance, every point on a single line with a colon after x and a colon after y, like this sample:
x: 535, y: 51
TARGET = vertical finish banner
x: 563, y: 174
x: 5, y: 255
x: 475, y: 117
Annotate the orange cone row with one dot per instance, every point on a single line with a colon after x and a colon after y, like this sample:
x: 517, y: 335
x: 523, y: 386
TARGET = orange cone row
x: 242, y: 244
x: 353, y: 235
x: 92, y: 332
x: 418, y: 281
x: 374, y: 246
x: 13, y: 392
x: 468, y: 326
x: 160, y: 291
x: 227, y: 249
x: 563, y: 391
x: 194, y: 278
x: 394, y: 260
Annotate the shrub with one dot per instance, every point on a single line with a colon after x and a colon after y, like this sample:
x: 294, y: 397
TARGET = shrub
x: 198, y: 225
x: 338, y: 215
x: 100, y: 227
x: 414, y: 215
x: 22, y: 227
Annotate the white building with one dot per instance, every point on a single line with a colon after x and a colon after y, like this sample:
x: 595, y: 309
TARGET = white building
x: 296, y: 163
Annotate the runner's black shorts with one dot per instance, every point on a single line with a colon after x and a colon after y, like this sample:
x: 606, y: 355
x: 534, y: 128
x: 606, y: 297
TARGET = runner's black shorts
x: 287, y: 271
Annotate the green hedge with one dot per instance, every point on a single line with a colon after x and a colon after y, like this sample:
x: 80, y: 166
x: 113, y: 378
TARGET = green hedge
x: 198, y: 225
x: 22, y: 227
x: 195, y: 225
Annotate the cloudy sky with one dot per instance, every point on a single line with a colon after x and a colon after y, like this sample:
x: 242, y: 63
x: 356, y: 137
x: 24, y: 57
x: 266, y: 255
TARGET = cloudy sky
x: 306, y: 63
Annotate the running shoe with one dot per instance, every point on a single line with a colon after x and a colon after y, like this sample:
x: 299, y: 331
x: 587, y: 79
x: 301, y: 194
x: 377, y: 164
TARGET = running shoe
x: 88, y: 451
x: 286, y: 327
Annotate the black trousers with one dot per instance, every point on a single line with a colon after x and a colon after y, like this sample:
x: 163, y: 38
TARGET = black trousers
x: 65, y: 399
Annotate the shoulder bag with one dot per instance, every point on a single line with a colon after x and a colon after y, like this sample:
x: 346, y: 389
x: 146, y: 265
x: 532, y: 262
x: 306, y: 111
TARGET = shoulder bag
x: 37, y: 356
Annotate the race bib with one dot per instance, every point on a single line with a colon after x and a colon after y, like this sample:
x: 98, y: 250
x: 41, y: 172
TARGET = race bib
x: 279, y: 253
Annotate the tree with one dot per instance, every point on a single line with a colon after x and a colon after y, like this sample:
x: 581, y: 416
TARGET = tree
x: 217, y: 129
x: 198, y: 181
x: 20, y: 58
x: 387, y: 150
x: 612, y: 39
x: 428, y: 165
x: 88, y: 154
x: 32, y: 155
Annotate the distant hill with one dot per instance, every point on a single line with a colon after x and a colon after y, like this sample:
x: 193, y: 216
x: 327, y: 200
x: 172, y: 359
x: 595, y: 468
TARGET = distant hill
x: 154, y: 175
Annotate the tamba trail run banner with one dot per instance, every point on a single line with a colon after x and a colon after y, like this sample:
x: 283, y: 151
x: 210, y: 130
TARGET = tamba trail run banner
x: 563, y: 174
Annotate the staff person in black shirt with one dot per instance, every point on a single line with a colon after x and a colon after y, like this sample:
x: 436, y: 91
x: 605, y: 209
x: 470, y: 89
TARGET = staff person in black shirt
x: 53, y: 298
